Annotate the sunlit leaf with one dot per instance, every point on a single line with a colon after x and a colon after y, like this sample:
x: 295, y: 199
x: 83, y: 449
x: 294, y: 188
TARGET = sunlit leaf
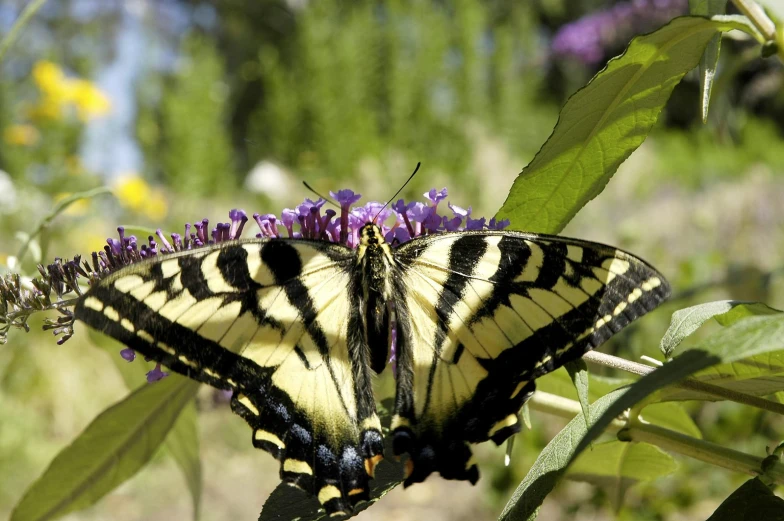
x: 604, y: 122
x: 668, y: 415
x: 616, y: 465
x: 752, y: 336
x: 710, y: 58
x: 182, y: 442
x: 551, y: 464
x: 119, y: 442
x: 686, y: 321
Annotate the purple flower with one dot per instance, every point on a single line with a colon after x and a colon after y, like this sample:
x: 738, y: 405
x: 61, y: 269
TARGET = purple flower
x: 589, y: 38
x: 498, y: 225
x: 435, y: 196
x: 345, y: 197
x: 238, y: 220
x: 156, y: 374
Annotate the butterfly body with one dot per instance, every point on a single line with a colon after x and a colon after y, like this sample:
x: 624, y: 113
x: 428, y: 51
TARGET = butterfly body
x: 296, y: 329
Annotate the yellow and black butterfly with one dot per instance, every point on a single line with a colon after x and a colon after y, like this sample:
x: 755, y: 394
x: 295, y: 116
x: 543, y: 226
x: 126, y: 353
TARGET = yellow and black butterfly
x: 297, y: 327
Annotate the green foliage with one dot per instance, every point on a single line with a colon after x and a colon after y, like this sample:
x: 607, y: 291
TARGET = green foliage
x: 687, y: 321
x: 418, y: 80
x: 603, y: 123
x: 118, y: 443
x: 410, y: 81
x: 551, y: 464
x: 753, y: 500
x: 194, y: 149
x: 617, y: 466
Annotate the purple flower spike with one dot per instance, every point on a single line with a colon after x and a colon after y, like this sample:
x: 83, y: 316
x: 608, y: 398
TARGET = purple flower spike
x: 177, y: 240
x: 288, y: 217
x: 498, y: 225
x: 345, y: 197
x: 238, y: 220
x: 156, y: 374
x: 432, y: 222
x: 453, y: 224
x: 475, y: 224
x: 435, y: 196
x: 167, y: 248
x: 129, y: 355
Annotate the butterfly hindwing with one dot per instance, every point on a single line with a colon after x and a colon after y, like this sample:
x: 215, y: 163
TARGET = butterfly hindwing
x: 480, y: 315
x: 270, y: 321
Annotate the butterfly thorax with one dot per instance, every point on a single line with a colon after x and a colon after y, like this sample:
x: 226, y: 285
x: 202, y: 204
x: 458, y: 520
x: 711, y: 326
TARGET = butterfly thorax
x: 374, y: 257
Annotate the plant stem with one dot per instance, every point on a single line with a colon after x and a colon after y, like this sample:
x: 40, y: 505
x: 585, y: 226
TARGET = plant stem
x: 25, y: 17
x: 757, y: 16
x: 639, y: 430
x: 58, y: 208
x: 703, y: 450
x: 694, y: 385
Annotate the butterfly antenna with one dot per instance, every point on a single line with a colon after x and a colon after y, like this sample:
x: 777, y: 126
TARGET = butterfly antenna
x: 327, y: 199
x: 398, y: 191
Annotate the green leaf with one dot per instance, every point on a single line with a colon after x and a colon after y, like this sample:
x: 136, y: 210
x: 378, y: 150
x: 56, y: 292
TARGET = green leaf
x: 743, y: 310
x: 686, y: 321
x: 119, y: 442
x: 710, y: 58
x: 671, y: 416
x: 287, y: 503
x: 578, y: 372
x: 752, y: 500
x: 661, y: 414
x: 759, y: 375
x: 551, y: 464
x: 752, y: 336
x: 604, y: 122
x: 617, y: 465
x: 182, y: 442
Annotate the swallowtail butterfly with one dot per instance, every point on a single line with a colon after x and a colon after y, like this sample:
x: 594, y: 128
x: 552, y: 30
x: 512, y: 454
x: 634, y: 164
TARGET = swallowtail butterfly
x: 296, y: 328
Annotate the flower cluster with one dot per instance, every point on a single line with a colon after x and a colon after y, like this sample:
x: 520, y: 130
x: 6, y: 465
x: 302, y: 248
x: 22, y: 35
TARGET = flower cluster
x: 590, y: 37
x: 399, y: 223
x: 60, y: 92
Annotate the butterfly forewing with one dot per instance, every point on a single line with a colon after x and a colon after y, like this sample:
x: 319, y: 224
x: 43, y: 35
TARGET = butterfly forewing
x: 481, y: 315
x: 268, y: 320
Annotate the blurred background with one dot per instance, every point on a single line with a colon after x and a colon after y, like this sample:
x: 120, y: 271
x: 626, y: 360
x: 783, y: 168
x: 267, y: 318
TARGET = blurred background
x: 188, y: 108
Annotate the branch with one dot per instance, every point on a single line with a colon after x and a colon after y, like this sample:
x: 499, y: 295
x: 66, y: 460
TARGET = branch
x: 694, y: 385
x: 639, y: 430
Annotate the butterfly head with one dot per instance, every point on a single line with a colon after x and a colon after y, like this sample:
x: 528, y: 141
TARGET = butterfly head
x: 370, y: 234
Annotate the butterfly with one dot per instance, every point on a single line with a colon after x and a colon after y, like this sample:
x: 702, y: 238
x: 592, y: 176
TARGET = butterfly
x: 297, y: 329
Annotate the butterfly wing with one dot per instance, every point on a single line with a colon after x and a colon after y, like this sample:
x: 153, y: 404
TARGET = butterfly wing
x: 480, y: 315
x: 270, y: 321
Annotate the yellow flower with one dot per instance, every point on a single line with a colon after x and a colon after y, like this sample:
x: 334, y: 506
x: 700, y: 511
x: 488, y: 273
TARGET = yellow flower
x: 59, y: 91
x: 134, y: 193
x: 23, y: 135
x: 89, y: 100
x: 51, y: 80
